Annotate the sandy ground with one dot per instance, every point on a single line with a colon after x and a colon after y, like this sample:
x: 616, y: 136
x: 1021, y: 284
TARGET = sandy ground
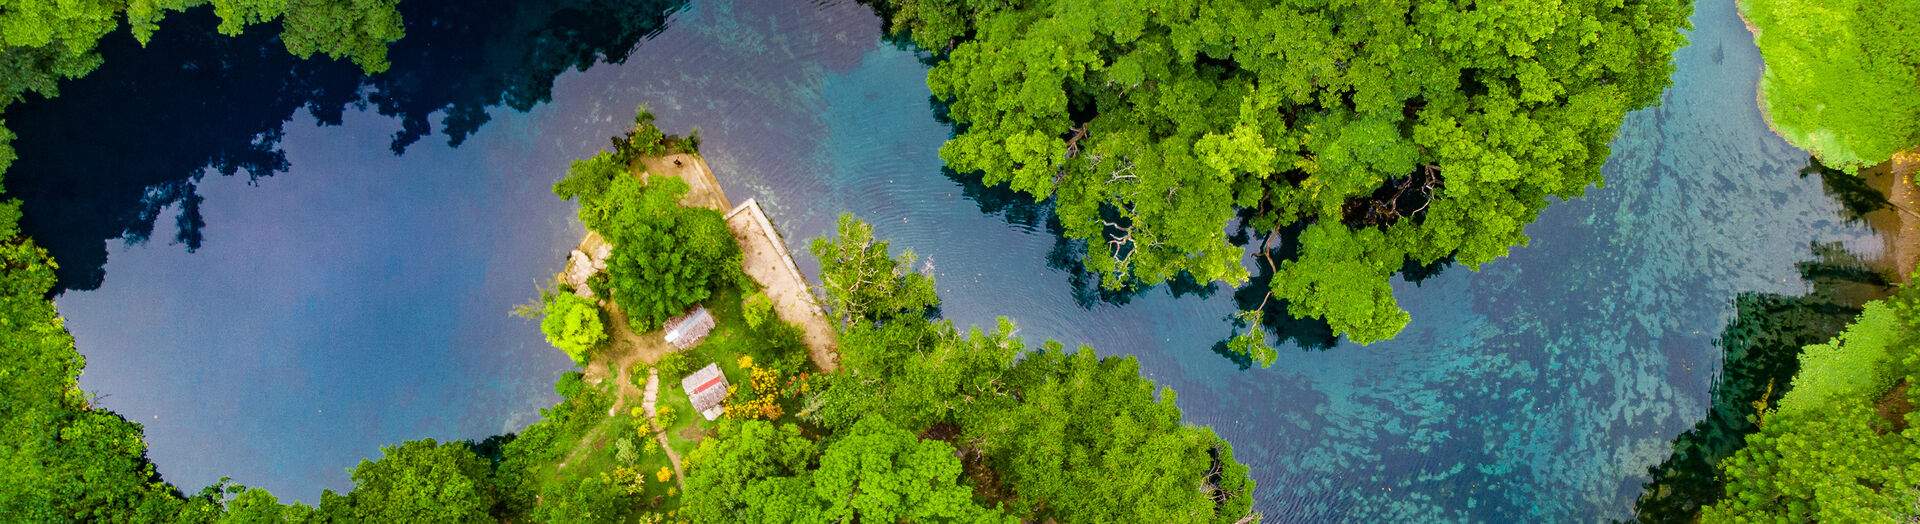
x: 704, y: 190
x: 767, y: 260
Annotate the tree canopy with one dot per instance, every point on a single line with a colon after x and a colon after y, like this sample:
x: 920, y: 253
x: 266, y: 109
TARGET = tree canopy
x: 45, y: 41
x: 873, y: 472
x: 419, y: 481
x: 665, y: 256
x: 1844, y: 443
x: 1842, y: 77
x: 574, y: 324
x: 1071, y: 437
x: 863, y: 280
x: 1389, y: 131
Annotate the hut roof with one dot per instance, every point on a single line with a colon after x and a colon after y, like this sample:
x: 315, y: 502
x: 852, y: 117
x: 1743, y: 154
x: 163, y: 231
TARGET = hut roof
x: 686, y: 330
x: 707, y: 390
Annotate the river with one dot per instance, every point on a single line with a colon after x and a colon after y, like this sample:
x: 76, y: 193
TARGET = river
x: 348, y: 286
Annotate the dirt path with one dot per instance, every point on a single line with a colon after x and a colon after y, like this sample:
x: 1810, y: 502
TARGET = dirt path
x: 624, y: 391
x: 660, y: 434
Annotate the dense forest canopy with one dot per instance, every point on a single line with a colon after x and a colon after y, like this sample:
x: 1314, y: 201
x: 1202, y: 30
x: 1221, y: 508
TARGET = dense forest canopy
x: 1843, y: 444
x: 1382, y: 132
x: 1843, y: 76
x: 45, y: 41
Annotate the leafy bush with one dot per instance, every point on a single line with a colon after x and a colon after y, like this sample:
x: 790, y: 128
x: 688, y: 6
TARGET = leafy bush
x: 673, y: 366
x: 665, y: 416
x: 574, y: 324
x: 624, y: 452
x: 756, y: 308
x: 638, y: 374
x: 1841, y: 76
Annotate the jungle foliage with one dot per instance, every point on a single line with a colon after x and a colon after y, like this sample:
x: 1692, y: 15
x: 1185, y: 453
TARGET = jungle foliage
x: 45, y: 41
x: 573, y: 323
x: 666, y: 256
x: 1388, y: 131
x: 1045, y: 434
x: 1843, y: 445
x: 1842, y: 77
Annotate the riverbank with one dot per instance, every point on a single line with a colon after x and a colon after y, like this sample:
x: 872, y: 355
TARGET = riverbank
x: 1903, y: 243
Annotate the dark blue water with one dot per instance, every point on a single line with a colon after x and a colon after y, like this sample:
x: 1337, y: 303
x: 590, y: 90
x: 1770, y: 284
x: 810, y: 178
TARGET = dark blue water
x: 356, y: 298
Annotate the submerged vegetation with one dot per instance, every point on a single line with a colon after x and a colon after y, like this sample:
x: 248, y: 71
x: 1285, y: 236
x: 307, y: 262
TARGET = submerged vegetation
x: 1382, y: 133
x: 1842, y: 76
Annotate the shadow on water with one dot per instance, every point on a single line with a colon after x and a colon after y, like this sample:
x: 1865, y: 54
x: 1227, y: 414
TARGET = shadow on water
x: 1854, y: 192
x: 1761, y: 351
x: 1021, y: 210
x: 194, y: 101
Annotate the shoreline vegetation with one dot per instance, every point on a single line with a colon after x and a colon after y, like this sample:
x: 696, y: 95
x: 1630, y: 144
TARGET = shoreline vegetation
x: 921, y: 421
x: 1353, y: 141
x: 1839, y: 78
x: 792, y: 419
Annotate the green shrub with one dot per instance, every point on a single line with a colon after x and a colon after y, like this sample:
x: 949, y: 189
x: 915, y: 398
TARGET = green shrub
x: 672, y: 366
x: 756, y: 308
x: 638, y: 374
x: 665, y: 416
x: 623, y: 451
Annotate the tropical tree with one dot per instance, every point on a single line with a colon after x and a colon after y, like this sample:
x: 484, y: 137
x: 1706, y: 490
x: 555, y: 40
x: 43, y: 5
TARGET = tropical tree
x: 1076, y: 437
x: 665, y: 256
x: 1386, y: 132
x: 863, y: 281
x: 876, y: 472
x: 721, y: 471
x: 419, y: 481
x: 573, y: 323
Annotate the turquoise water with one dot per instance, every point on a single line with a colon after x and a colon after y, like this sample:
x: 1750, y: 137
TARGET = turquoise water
x: 354, y: 297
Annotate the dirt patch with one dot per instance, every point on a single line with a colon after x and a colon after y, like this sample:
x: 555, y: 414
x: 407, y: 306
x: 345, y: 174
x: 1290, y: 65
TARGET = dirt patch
x: 986, y: 480
x: 1899, y: 227
x: 694, y: 434
x: 703, y: 189
x: 941, y: 432
x: 1894, y: 406
x: 1906, y: 243
x: 766, y: 260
